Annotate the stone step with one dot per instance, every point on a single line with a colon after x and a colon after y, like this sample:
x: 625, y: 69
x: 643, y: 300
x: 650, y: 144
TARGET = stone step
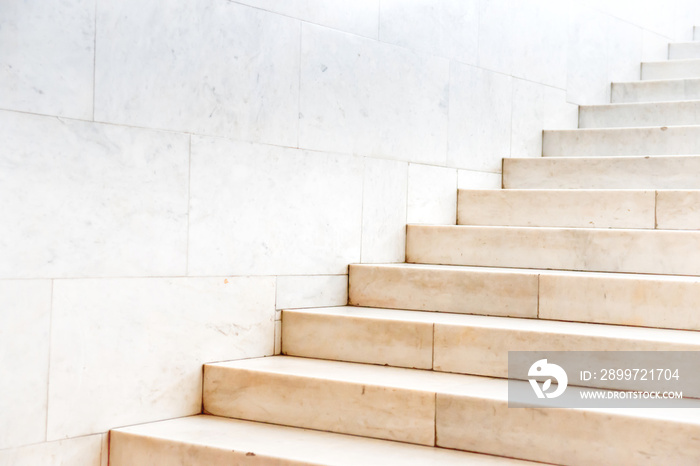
x: 640, y: 114
x: 661, y: 301
x: 683, y: 50
x: 210, y: 440
x: 571, y: 208
x: 455, y: 411
x: 457, y: 343
x: 630, y: 172
x: 558, y: 208
x: 665, y: 90
x: 671, y: 69
x: 666, y: 252
x: 612, y: 142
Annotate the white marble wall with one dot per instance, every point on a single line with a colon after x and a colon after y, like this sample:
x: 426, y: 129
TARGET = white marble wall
x: 175, y: 172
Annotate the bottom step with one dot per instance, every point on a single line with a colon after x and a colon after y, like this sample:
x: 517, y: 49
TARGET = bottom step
x: 209, y: 440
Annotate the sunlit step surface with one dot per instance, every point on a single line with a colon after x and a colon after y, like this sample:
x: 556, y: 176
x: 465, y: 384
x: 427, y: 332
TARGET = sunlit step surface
x: 210, y: 440
x: 662, y: 301
x: 659, y: 114
x: 463, y: 412
x: 663, y: 140
x: 633, y: 172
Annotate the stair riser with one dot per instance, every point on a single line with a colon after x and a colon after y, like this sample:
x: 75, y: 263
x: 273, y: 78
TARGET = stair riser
x: 672, y: 69
x: 584, y: 209
x: 458, y: 291
x: 334, y: 406
x: 682, y: 51
x: 673, y: 210
x: 640, y: 115
x: 631, y: 251
x: 562, y: 436
x: 674, y: 140
x: 656, y: 91
x: 622, y: 300
x: 458, y: 348
x: 602, y: 173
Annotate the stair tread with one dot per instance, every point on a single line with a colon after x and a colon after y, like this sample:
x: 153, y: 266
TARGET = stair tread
x: 509, y: 323
x: 237, y: 437
x: 471, y: 386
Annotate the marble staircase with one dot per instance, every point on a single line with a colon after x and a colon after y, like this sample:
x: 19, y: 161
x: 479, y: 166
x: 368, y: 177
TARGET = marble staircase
x: 593, y: 247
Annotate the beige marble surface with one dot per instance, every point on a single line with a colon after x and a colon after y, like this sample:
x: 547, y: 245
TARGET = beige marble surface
x: 556, y: 208
x: 25, y: 321
x: 678, y: 209
x: 653, y: 436
x: 126, y: 351
x: 666, y: 302
x: 208, y: 440
x: 359, y: 399
x: 602, y: 173
x: 597, y: 250
x: 358, y: 335
x: 447, y: 289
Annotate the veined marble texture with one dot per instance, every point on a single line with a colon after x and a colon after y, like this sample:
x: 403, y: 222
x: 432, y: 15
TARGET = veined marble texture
x: 203, y: 66
x: 46, y: 57
x: 358, y: 16
x: 370, y: 98
x: 127, y: 351
x: 25, y: 316
x: 83, y: 199
x: 265, y: 210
